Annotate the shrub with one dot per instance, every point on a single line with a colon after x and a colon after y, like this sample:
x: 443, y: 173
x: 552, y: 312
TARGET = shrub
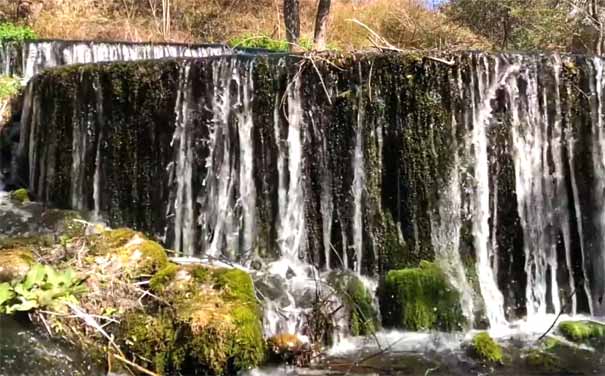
x: 17, y: 33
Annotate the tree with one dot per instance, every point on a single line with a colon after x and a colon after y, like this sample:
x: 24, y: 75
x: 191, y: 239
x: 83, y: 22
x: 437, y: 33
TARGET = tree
x: 321, y: 24
x: 518, y: 24
x: 292, y: 21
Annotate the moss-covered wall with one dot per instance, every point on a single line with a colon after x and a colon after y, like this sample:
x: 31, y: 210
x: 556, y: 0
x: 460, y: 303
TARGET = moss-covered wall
x: 415, y: 117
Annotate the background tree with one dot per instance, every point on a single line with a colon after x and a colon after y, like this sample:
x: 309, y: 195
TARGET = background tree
x: 292, y: 21
x: 321, y: 24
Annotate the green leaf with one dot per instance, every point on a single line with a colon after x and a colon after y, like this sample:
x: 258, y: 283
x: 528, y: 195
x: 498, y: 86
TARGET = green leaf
x: 24, y: 306
x: 6, y: 293
x: 35, y: 276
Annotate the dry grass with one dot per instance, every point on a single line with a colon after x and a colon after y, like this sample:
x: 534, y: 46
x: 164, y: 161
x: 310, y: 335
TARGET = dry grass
x: 407, y: 24
x: 404, y: 23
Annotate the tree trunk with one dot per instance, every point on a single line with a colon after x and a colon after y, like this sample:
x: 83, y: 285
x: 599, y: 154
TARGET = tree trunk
x: 292, y: 21
x: 321, y: 24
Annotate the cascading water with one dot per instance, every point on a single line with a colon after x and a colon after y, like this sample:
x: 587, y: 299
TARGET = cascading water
x: 30, y: 58
x: 260, y: 169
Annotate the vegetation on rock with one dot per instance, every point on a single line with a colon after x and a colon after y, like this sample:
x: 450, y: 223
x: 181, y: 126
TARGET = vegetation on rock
x: 484, y: 348
x: 214, y: 321
x: 543, y: 360
x: 15, y: 263
x: 358, y: 300
x: 582, y: 331
x: 421, y: 299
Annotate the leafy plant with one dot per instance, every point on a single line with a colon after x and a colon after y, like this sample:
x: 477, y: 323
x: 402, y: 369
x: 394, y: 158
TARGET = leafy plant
x: 42, y: 287
x: 9, y: 86
x: 266, y: 42
x: 16, y: 33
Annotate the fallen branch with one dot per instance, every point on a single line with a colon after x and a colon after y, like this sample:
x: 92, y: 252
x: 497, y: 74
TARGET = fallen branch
x: 134, y: 365
x: 382, y: 44
x: 558, y: 316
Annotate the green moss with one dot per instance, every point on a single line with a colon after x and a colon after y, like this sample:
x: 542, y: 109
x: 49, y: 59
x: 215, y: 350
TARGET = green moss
x: 582, y: 331
x: 215, y: 316
x: 20, y: 195
x: 138, y: 254
x: 421, y: 299
x: 15, y: 263
x: 358, y: 300
x: 159, y: 281
x: 484, y: 348
x: 543, y: 361
x: 154, y: 338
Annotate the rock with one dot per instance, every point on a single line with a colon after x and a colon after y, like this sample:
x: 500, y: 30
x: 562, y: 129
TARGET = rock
x: 421, y: 299
x: 484, y: 348
x: 14, y: 264
x: 582, y: 331
x: 358, y: 302
x: 288, y: 348
x: 543, y: 361
x: 214, y: 323
x: 128, y: 249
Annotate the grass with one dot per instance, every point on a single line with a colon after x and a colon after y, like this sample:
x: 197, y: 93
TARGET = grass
x: 255, y: 24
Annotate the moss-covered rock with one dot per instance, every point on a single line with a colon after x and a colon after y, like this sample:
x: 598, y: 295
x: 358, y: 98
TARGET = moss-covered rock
x: 129, y: 249
x: 484, y: 348
x: 358, y: 301
x: 421, y: 299
x: 214, y: 322
x: 67, y: 223
x: 20, y: 195
x: 582, y: 331
x: 15, y: 263
x: 542, y: 360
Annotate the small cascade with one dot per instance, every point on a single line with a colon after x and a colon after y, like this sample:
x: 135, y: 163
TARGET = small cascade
x: 30, y: 58
x: 481, y: 113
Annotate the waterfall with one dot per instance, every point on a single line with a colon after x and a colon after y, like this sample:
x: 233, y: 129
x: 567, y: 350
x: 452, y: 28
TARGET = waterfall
x: 30, y: 58
x: 495, y: 167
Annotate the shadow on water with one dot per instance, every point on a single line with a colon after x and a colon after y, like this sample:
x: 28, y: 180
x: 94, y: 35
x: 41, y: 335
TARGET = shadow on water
x: 25, y: 351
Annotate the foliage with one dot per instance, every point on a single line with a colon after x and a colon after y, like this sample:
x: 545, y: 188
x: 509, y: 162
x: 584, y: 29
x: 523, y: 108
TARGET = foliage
x: 484, y: 348
x: 17, y: 33
x: 267, y: 43
x: 582, y: 331
x: 420, y: 299
x: 42, y: 287
x: 517, y: 24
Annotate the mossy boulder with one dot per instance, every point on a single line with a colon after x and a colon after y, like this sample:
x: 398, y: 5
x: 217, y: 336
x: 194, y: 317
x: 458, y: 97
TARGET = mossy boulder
x: 20, y: 195
x: 420, y: 299
x: 358, y: 300
x: 484, y: 348
x: 542, y: 361
x: 67, y: 223
x: 15, y: 263
x: 213, y: 324
x: 582, y: 331
x: 130, y: 250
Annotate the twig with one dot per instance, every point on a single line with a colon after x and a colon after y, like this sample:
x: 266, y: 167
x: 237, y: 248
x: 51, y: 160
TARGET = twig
x: 558, y: 316
x: 382, y: 44
x: 321, y: 79
x: 134, y: 365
